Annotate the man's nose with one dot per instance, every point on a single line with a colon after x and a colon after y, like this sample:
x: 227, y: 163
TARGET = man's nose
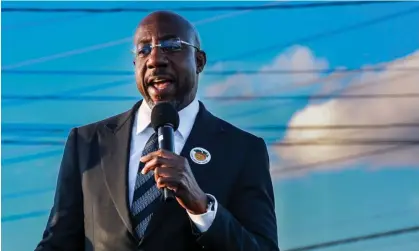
x: 157, y: 59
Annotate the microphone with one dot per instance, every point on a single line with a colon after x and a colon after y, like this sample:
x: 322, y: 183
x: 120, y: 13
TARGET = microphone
x: 165, y: 121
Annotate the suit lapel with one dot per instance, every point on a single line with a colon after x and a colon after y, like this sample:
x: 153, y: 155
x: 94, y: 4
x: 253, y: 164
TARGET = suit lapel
x: 114, y: 144
x: 203, y: 133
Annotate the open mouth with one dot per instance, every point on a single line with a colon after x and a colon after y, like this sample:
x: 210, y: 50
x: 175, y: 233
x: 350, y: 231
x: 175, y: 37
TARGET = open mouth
x: 161, y: 84
x: 161, y: 88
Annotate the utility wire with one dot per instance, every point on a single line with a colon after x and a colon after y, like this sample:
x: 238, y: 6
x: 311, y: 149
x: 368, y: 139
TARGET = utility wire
x: 33, y: 142
x: 360, y: 238
x: 50, y: 128
x: 374, y: 152
x: 72, y: 95
x: 219, y: 98
x: 346, y: 142
x: 122, y: 81
x: 339, y: 242
x: 46, y: 21
x: 321, y: 35
x: 330, y: 127
x: 216, y: 73
x: 195, y: 9
x: 316, y: 142
x: 330, y: 77
x: 17, y: 217
x: 47, y: 154
x: 117, y: 42
x: 29, y: 157
x: 25, y: 158
x: 306, y: 39
x: 359, y: 25
x: 304, y: 97
x: 82, y: 90
x: 51, y: 20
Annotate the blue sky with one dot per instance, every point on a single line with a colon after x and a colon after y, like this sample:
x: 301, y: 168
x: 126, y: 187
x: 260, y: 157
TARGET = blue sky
x: 330, y: 202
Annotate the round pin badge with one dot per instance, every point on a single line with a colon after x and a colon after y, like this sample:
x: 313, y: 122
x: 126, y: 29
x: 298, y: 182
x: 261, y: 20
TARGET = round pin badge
x: 200, y: 155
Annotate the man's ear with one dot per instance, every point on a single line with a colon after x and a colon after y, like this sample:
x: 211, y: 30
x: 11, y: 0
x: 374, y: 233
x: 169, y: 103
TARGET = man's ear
x: 201, y: 61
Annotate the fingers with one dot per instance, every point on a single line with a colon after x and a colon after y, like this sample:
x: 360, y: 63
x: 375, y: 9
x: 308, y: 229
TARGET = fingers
x: 166, y: 177
x: 158, y: 153
x: 163, y: 171
x: 155, y: 162
x: 167, y: 166
x: 168, y: 182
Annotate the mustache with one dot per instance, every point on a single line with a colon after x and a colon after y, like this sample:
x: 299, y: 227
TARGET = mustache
x: 159, y: 76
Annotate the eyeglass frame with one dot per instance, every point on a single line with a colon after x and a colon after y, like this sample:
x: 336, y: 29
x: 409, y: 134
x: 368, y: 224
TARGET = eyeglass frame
x: 135, y: 52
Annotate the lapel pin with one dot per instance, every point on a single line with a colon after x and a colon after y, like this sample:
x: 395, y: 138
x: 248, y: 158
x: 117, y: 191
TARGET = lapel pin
x: 200, y: 155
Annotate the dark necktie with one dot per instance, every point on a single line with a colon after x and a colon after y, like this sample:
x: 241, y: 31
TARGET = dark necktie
x: 146, y: 192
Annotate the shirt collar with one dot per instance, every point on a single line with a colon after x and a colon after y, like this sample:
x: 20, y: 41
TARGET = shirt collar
x: 186, y: 118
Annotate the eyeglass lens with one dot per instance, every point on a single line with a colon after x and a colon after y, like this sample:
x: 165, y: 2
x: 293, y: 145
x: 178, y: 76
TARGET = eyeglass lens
x: 168, y: 45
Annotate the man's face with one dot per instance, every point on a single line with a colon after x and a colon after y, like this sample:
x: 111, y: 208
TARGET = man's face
x: 167, y: 74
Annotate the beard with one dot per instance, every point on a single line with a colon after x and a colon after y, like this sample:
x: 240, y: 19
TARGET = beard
x: 174, y: 102
x: 178, y: 101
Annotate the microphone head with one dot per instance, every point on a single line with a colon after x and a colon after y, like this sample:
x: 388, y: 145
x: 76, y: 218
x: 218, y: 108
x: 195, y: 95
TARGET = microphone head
x: 164, y: 113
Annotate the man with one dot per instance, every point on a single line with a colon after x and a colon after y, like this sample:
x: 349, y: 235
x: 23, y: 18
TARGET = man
x: 108, y: 195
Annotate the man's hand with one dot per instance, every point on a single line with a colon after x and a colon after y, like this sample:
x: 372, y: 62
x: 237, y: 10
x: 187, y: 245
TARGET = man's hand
x: 173, y: 172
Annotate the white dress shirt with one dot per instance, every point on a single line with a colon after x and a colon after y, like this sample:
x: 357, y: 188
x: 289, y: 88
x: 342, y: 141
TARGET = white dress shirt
x: 142, y: 131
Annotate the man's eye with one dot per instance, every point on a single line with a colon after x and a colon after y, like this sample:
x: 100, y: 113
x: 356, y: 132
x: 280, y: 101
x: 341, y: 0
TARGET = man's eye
x: 171, y: 45
x: 144, y: 50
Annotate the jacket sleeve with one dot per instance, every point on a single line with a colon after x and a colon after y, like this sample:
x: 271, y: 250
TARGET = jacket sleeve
x: 65, y: 226
x: 249, y: 223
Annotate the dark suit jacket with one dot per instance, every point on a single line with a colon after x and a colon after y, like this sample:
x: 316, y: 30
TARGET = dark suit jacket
x: 91, y: 211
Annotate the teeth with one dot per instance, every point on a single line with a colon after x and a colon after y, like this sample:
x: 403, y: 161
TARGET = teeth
x: 160, y: 81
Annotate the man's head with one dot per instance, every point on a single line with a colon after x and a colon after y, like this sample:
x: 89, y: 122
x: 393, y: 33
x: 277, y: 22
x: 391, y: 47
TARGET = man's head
x: 168, y: 71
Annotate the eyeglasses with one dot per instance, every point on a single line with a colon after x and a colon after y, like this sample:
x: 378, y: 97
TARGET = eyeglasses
x: 167, y: 46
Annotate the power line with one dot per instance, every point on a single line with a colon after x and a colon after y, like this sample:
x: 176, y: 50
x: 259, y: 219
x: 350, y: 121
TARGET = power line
x: 16, y: 217
x: 25, y: 158
x: 216, y: 73
x: 27, y: 193
x: 304, y: 97
x: 49, y: 128
x: 104, y: 45
x: 51, y: 20
x: 377, y: 235
x: 74, y: 92
x: 195, y: 9
x: 296, y: 168
x: 330, y: 77
x: 346, y: 142
x: 380, y: 151
x: 119, y: 83
x: 29, y: 157
x: 306, y: 39
x: 52, y: 189
x: 48, y: 154
x: 363, y: 154
x: 317, y: 142
x: 46, y: 21
x: 85, y: 89
x: 333, y: 127
x: 321, y: 35
x: 115, y: 42
x: 33, y: 142
x: 366, y: 237
x: 219, y: 98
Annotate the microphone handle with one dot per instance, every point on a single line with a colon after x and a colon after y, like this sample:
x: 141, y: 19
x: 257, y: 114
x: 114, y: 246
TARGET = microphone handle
x: 166, y: 142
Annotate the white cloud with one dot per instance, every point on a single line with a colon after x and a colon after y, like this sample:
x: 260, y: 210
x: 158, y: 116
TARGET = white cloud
x: 295, y: 58
x: 360, y: 112
x: 334, y: 111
